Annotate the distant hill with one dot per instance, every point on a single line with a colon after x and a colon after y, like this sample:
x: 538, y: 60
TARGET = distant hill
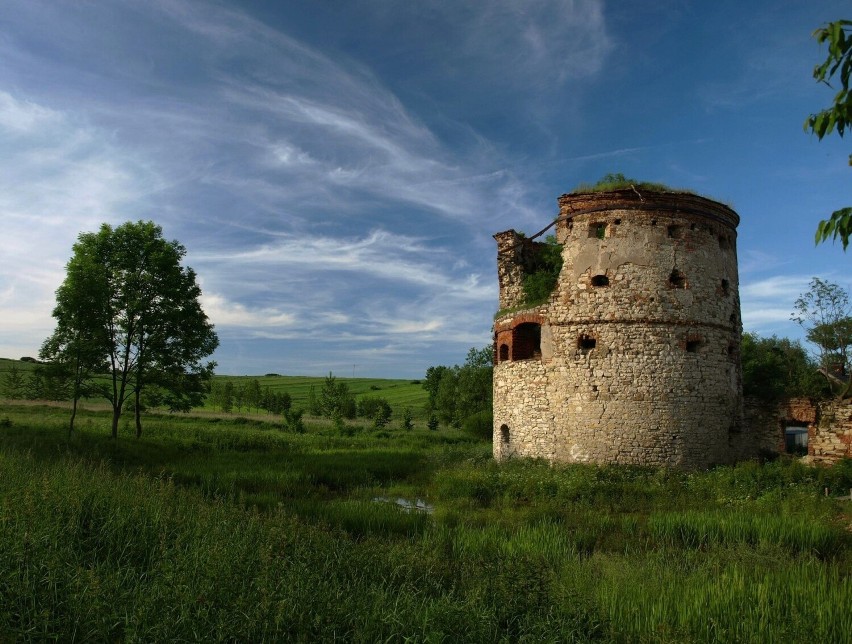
x: 399, y: 393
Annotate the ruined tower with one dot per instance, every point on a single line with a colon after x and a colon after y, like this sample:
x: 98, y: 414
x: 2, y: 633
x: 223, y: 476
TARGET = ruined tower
x: 635, y: 356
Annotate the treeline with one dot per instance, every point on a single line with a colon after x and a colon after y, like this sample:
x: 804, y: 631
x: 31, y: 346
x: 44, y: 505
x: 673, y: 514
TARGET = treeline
x: 335, y: 401
x: 43, y: 382
x: 228, y: 397
x: 461, y: 395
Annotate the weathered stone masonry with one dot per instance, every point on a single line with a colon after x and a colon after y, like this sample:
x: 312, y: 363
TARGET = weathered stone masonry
x: 635, y: 358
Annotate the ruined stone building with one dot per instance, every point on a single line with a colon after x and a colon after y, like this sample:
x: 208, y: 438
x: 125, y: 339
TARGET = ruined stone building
x: 635, y: 356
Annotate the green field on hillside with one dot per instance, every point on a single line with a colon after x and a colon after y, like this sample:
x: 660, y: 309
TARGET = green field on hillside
x: 400, y: 394
x: 215, y: 527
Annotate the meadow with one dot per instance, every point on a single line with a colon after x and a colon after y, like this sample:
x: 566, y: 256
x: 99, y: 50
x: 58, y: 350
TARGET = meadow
x: 222, y: 527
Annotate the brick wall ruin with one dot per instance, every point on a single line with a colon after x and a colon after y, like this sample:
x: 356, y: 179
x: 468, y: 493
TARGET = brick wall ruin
x: 635, y: 356
x: 829, y: 427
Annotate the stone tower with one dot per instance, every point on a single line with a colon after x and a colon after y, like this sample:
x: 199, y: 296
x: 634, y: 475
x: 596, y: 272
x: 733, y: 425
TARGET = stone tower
x: 635, y: 357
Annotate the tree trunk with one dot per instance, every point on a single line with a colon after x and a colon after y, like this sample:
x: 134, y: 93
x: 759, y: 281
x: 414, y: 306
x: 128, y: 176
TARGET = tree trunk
x: 138, y: 418
x: 73, y: 415
x: 116, y: 414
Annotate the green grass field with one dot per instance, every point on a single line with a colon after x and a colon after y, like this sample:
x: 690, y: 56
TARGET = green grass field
x: 399, y: 393
x: 228, y: 528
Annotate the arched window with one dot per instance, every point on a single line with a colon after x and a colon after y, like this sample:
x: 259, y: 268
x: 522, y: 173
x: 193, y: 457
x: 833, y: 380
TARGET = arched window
x: 504, y: 434
x: 600, y: 280
x: 526, y: 341
x: 504, y: 353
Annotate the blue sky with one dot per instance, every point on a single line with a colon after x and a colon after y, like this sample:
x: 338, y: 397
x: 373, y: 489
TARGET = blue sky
x: 336, y: 169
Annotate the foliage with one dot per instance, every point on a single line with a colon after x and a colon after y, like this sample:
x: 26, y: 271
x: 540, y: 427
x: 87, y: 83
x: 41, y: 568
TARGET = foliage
x: 14, y: 382
x: 480, y: 425
x: 335, y: 399
x: 126, y: 303
x: 824, y: 312
x: 376, y: 409
x: 541, y: 275
x: 777, y: 368
x: 457, y: 392
x: 617, y: 181
x: 406, y: 422
x: 838, y: 64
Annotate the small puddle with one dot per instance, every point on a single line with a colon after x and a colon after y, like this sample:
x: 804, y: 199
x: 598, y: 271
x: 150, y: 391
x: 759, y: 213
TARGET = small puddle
x: 416, y: 505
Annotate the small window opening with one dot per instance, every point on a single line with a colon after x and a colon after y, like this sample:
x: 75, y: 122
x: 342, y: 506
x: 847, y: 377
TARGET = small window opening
x: 677, y: 279
x: 653, y: 222
x: 617, y: 222
x: 726, y: 287
x: 796, y: 439
x: 600, y: 280
x: 692, y: 226
x: 675, y: 232
x: 504, y: 352
x: 526, y: 341
x: 733, y: 318
x: 504, y: 434
x: 586, y: 343
x: 693, y: 345
x: 597, y: 230
x: 724, y: 244
x: 731, y: 350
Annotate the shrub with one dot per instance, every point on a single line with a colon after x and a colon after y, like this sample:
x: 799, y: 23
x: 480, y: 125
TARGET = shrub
x: 432, y: 424
x: 541, y: 276
x: 480, y: 425
x: 369, y: 406
x: 407, y: 424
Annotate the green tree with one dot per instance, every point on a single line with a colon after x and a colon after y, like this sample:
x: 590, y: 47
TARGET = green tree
x: 77, y: 345
x: 406, y: 423
x: 369, y: 406
x: 432, y: 382
x: 776, y: 368
x: 228, y: 397
x: 254, y: 394
x: 127, y: 302
x: 824, y: 312
x: 35, y: 385
x: 838, y: 64
x: 14, y: 382
x: 336, y: 399
x: 459, y: 392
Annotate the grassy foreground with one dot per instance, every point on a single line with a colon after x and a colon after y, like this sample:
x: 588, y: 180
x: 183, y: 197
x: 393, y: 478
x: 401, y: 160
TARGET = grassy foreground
x: 235, y: 530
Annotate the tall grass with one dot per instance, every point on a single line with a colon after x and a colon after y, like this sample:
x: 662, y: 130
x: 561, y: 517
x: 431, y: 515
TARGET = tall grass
x: 208, y: 529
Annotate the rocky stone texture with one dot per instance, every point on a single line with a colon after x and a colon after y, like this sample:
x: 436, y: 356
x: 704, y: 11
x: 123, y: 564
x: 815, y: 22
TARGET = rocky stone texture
x: 830, y: 436
x: 635, y: 357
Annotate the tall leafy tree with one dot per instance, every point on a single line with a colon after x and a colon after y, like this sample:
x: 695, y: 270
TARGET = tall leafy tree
x: 837, y: 67
x: 456, y: 393
x: 825, y: 313
x: 127, y: 302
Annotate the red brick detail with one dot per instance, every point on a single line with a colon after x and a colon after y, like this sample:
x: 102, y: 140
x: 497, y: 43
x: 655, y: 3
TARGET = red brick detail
x: 506, y: 335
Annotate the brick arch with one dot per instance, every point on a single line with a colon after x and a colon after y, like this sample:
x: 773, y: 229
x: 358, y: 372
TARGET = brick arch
x: 516, y: 339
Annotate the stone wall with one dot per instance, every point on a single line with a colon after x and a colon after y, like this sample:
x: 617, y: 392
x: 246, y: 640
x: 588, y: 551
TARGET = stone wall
x: 638, y: 348
x: 830, y: 437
